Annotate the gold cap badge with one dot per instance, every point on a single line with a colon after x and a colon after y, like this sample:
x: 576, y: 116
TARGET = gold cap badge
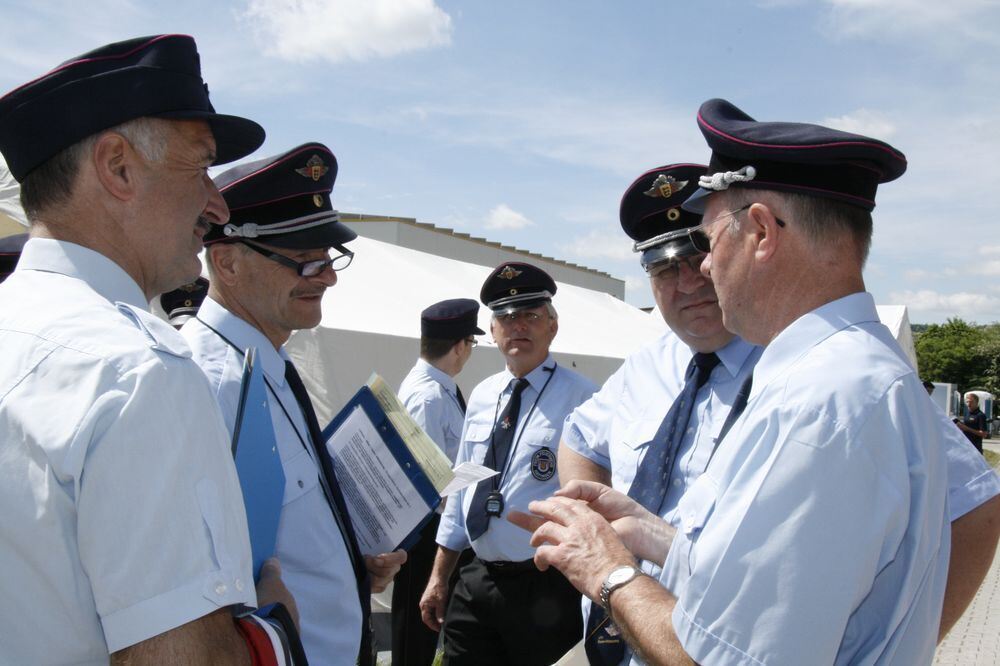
x: 508, y: 273
x: 665, y: 187
x: 314, y: 168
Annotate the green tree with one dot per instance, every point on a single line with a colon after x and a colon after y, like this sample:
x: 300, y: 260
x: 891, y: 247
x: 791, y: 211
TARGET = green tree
x: 957, y: 353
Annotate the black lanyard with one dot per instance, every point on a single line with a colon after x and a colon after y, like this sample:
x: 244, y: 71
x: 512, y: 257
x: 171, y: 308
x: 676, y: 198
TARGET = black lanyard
x: 498, y: 478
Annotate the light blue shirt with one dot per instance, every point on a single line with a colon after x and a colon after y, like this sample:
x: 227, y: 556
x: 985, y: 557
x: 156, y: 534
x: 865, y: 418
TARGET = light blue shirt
x: 430, y: 396
x: 820, y: 530
x: 315, y: 564
x: 539, y: 425
x: 122, y: 514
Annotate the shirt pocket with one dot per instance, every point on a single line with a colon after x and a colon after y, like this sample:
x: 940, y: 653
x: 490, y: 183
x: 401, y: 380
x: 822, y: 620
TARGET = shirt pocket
x: 308, y: 532
x: 478, y: 436
x: 693, y: 511
x: 627, y: 453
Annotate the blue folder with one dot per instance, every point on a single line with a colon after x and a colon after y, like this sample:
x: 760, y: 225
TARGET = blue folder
x: 365, y: 399
x: 262, y: 478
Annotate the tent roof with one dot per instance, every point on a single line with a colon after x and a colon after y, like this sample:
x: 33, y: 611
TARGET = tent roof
x: 387, y: 286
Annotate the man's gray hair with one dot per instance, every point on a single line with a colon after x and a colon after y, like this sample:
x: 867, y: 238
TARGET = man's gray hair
x: 825, y: 222
x: 52, y: 183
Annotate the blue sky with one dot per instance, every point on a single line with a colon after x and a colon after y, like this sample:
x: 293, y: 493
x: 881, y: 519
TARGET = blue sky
x: 524, y: 121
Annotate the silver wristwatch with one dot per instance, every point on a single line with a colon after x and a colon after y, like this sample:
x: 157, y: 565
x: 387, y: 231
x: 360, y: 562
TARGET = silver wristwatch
x: 617, y: 578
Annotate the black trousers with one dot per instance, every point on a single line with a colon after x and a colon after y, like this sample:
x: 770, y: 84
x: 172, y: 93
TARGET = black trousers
x: 510, y: 614
x: 413, y: 643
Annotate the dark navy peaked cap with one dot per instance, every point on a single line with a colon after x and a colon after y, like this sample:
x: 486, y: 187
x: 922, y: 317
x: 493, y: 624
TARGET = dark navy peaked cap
x: 283, y: 201
x: 10, y: 252
x: 516, y: 286
x: 156, y: 76
x: 453, y: 319
x: 651, y: 212
x: 182, y: 303
x: 791, y: 157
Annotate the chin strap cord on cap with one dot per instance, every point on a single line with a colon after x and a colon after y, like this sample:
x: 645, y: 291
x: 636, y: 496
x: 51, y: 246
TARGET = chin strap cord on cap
x: 723, y: 179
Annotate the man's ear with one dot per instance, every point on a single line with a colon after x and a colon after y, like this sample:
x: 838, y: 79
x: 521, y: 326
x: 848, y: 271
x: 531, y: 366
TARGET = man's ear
x: 766, y: 230
x: 225, y: 261
x: 116, y: 163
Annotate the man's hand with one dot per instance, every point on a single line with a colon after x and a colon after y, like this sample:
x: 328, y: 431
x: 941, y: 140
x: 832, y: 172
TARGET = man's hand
x: 434, y: 603
x: 271, y: 589
x: 574, y: 539
x: 642, y: 532
x: 383, y: 568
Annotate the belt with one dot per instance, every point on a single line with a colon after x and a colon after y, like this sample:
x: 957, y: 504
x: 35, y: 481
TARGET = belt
x: 502, y: 567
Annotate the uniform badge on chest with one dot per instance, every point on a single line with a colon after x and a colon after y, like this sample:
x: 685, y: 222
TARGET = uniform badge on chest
x: 543, y: 464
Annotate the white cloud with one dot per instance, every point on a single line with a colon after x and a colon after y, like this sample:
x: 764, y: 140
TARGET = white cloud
x: 990, y: 250
x: 505, y: 217
x: 990, y: 268
x: 601, y: 245
x: 341, y: 30
x: 863, y: 121
x: 927, y: 304
x: 952, y: 24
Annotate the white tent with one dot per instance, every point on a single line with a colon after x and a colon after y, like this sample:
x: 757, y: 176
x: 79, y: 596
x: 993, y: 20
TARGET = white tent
x: 371, y: 322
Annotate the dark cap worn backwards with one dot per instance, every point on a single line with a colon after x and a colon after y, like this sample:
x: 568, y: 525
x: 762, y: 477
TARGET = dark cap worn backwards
x: 453, y: 319
x: 791, y: 157
x: 10, y: 252
x: 283, y: 201
x: 652, y: 216
x: 156, y: 76
x: 182, y: 303
x: 516, y: 286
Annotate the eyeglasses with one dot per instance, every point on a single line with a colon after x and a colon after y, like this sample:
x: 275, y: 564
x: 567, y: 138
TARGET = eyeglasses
x: 701, y: 241
x: 472, y: 341
x: 511, y: 317
x: 671, y: 270
x: 306, y: 268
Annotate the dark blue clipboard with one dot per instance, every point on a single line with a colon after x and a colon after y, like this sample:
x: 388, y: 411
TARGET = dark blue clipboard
x: 365, y: 399
x: 255, y: 451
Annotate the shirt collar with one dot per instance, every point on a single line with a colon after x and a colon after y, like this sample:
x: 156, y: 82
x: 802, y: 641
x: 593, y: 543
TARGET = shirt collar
x: 102, y: 275
x: 537, y: 377
x: 808, y: 331
x: 440, y: 376
x: 735, y: 354
x: 243, y: 334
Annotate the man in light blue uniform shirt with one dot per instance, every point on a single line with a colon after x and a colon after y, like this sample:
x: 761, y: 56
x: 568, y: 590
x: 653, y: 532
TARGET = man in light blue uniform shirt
x: 605, y: 438
x: 123, y: 537
x: 434, y: 400
x: 268, y: 270
x: 503, y: 609
x: 820, y: 529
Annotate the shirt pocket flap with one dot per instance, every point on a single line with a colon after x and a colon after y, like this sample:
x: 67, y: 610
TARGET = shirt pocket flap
x: 639, y: 433
x: 301, y: 476
x: 697, y: 504
x: 539, y: 437
x: 478, y: 432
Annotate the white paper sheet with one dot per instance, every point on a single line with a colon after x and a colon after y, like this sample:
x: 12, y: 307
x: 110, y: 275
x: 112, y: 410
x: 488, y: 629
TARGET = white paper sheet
x: 384, y: 505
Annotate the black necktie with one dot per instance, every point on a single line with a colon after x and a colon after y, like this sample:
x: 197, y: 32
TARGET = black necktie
x: 496, y: 456
x: 461, y: 399
x: 739, y: 404
x: 337, y: 506
x: 604, y: 645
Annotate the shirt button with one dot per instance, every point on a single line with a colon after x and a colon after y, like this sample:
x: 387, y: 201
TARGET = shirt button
x: 677, y: 483
x: 239, y: 584
x: 220, y: 588
x: 301, y: 483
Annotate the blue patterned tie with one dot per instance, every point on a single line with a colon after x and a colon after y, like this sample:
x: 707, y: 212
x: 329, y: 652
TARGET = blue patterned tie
x: 503, y: 434
x: 604, y: 644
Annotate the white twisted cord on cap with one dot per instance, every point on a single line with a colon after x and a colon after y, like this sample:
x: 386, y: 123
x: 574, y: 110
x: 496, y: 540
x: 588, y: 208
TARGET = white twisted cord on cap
x: 723, y: 179
x: 253, y: 230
